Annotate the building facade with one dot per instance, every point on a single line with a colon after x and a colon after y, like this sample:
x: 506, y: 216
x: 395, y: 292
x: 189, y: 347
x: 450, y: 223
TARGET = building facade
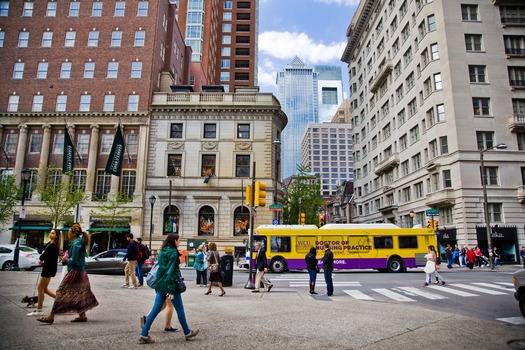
x: 436, y: 85
x: 330, y: 90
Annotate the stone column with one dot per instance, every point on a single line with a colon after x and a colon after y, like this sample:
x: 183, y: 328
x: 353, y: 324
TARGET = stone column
x: 142, y: 162
x: 21, y: 153
x: 92, y: 160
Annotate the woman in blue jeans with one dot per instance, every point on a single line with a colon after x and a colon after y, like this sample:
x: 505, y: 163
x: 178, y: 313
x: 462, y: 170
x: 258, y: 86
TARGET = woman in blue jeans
x: 311, y: 265
x: 167, y: 275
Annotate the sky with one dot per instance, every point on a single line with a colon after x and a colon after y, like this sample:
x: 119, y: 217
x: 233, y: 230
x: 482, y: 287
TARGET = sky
x: 313, y: 30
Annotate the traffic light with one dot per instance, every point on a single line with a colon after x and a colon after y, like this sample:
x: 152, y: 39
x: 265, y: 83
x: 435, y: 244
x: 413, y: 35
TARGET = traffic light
x: 302, y: 218
x: 429, y: 224
x: 249, y: 195
x: 436, y: 225
x: 260, y: 194
x: 321, y: 220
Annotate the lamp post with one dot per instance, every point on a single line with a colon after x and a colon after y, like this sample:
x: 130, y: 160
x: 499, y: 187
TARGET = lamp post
x: 26, y: 173
x: 485, y: 201
x: 276, y: 143
x: 152, y: 200
x: 411, y: 214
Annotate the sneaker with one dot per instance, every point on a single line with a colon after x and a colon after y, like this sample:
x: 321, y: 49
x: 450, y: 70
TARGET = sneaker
x: 192, y: 334
x: 124, y: 286
x: 270, y: 288
x: 142, y: 321
x: 146, y: 340
x: 36, y: 313
x: 425, y: 284
x: 442, y: 283
x: 437, y: 282
x: 132, y: 287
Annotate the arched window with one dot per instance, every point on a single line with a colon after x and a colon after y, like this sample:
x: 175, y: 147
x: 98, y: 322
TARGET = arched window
x: 206, y: 221
x: 171, y: 220
x: 241, y: 221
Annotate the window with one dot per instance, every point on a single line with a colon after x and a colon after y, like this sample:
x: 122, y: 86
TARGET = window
x: 28, y: 9
x: 93, y: 39
x: 174, y: 165
x: 41, y: 72
x: 116, y: 38
x: 433, y: 147
x: 228, y: 5
x: 241, y: 219
x: 243, y: 131
x: 407, y: 242
x: 227, y: 16
x: 47, y: 39
x: 403, y: 144
x: 443, y: 143
x: 473, y: 42
x: 329, y: 95
x: 226, y: 27
x: 89, y: 70
x: 490, y: 177
x: 431, y: 22
x: 136, y: 70
x: 447, y: 179
x: 226, y: 39
x: 120, y: 8
x: 410, y: 81
x: 405, y: 168
x: 23, y: 39
x: 2, y: 38
x: 440, y: 113
x: 38, y: 103
x: 226, y: 51
x: 96, y: 10
x: 70, y: 39
x: 520, y: 136
x: 206, y: 221
x: 225, y: 76
x: 106, y: 143
x: 4, y: 8
x: 384, y: 242
x: 132, y: 143
x: 133, y: 103
x: 485, y: 139
x: 280, y: 244
x: 176, y: 130
x: 85, y: 103
x: 65, y: 70
x: 434, y: 52
x: 54, y: 178
x: 103, y: 185
x: 477, y: 74
x: 74, y: 8
x: 35, y: 143
x: 210, y: 131
x: 416, y: 162
x: 58, y: 144
x: 414, y: 134
x: 412, y: 107
x: 242, y: 165
x: 495, y: 212
x: 109, y: 103
x: 208, y: 165
x: 61, y: 103
x: 79, y: 180
x: 469, y: 12
x: 140, y: 37
x: 516, y: 76
x: 142, y: 8
x: 51, y: 9
x: 83, y: 143
x: 129, y: 179
x: 225, y: 63
x: 112, y: 70
x: 481, y: 106
x: 11, y: 142
x: 418, y: 190
x: 12, y: 103
x: 438, y: 85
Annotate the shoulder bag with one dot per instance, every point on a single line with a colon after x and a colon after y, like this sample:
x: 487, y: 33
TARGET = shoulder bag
x: 214, y: 268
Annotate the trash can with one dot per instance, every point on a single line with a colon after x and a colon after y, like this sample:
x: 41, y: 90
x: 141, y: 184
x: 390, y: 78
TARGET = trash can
x: 191, y: 259
x: 226, y: 264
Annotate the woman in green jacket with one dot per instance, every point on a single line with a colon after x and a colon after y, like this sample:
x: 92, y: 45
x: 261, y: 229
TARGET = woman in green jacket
x: 167, y: 275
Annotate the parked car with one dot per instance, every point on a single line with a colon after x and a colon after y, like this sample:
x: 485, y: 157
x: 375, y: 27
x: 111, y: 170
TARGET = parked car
x: 109, y: 263
x: 28, y: 258
x: 518, y: 279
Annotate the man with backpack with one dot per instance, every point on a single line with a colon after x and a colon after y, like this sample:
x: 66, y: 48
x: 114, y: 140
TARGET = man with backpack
x: 131, y: 257
x: 142, y: 256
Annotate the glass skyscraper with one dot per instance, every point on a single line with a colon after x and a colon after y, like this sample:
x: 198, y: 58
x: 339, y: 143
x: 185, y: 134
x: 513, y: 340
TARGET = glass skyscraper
x: 297, y: 91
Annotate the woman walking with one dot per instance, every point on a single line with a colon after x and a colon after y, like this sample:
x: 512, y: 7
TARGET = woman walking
x: 431, y: 268
x: 74, y: 293
x: 167, y: 276
x: 201, y: 266
x: 311, y: 265
x: 214, y: 258
x: 49, y: 270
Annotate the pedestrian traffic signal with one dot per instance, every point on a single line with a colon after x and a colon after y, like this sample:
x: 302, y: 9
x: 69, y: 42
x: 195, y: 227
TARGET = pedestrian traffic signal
x: 321, y: 220
x: 260, y: 194
x: 302, y: 218
x: 249, y: 195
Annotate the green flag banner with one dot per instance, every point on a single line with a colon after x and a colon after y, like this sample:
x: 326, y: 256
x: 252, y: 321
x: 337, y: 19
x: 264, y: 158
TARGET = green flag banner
x: 114, y: 164
x: 69, y: 153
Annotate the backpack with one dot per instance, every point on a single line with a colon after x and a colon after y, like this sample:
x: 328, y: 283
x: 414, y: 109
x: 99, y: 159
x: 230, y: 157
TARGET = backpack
x: 151, y: 278
x: 138, y: 252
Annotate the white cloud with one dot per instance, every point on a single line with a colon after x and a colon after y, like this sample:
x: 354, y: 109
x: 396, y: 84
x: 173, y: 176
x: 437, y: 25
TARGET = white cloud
x: 340, y: 2
x: 286, y: 45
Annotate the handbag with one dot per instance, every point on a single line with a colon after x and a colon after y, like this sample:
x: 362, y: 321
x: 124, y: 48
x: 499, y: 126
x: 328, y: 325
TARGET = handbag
x: 180, y: 286
x: 213, y: 268
x: 151, y: 278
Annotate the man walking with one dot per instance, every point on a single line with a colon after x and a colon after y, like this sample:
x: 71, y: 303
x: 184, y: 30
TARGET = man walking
x: 131, y: 257
x: 262, y: 267
x: 328, y: 267
x: 140, y: 262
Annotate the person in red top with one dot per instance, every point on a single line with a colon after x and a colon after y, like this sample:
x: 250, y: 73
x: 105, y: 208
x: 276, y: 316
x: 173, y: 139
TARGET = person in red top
x: 471, y: 257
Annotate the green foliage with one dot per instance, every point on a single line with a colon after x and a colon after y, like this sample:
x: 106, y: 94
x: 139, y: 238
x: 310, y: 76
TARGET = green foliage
x: 59, y: 195
x: 303, y: 195
x: 10, y: 195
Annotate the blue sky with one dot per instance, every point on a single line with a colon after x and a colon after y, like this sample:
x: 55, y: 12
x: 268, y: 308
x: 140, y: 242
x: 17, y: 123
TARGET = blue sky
x: 314, y: 30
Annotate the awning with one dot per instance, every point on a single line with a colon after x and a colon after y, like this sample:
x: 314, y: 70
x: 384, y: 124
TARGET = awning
x: 64, y: 228
x: 108, y: 229
x: 32, y: 228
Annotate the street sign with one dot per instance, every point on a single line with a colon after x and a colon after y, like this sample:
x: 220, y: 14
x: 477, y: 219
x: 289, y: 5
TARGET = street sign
x: 432, y: 212
x: 276, y: 207
x: 275, y: 222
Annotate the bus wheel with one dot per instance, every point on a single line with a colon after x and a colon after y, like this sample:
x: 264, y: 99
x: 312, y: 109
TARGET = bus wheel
x: 277, y: 265
x: 395, y: 265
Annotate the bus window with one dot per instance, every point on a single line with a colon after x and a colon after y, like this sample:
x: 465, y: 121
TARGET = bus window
x: 384, y: 242
x: 407, y: 242
x: 280, y: 244
x: 261, y: 239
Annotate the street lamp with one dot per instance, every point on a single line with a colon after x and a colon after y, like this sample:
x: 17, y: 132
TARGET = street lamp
x: 152, y: 200
x: 276, y: 143
x: 485, y: 201
x: 411, y: 214
x: 26, y: 173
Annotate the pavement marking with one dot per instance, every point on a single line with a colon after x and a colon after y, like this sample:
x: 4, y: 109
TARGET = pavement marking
x: 489, y: 285
x: 323, y: 284
x: 454, y: 291
x: 505, y: 284
x: 477, y: 289
x: 357, y: 294
x: 512, y: 320
x: 392, y: 295
x: 424, y: 294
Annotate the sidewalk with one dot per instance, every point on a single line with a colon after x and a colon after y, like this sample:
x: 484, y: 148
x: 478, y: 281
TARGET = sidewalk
x: 282, y: 319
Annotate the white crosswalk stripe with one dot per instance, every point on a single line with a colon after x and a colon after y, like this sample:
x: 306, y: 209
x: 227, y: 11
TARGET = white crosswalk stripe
x: 357, y: 294
x: 512, y: 320
x: 323, y: 284
x: 477, y: 289
x: 392, y: 295
x: 422, y: 293
x: 489, y: 285
x: 453, y: 291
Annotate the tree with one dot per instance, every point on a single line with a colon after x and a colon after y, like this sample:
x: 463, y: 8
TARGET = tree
x: 60, y: 196
x: 303, y: 195
x: 10, y: 194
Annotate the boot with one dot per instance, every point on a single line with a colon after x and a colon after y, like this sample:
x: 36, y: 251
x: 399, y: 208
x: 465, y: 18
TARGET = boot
x: 313, y: 289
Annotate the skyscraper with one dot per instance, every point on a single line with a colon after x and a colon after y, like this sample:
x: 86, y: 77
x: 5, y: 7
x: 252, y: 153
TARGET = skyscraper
x: 297, y: 91
x: 330, y: 90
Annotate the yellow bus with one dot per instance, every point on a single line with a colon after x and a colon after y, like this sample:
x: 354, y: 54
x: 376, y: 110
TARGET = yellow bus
x: 384, y: 247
